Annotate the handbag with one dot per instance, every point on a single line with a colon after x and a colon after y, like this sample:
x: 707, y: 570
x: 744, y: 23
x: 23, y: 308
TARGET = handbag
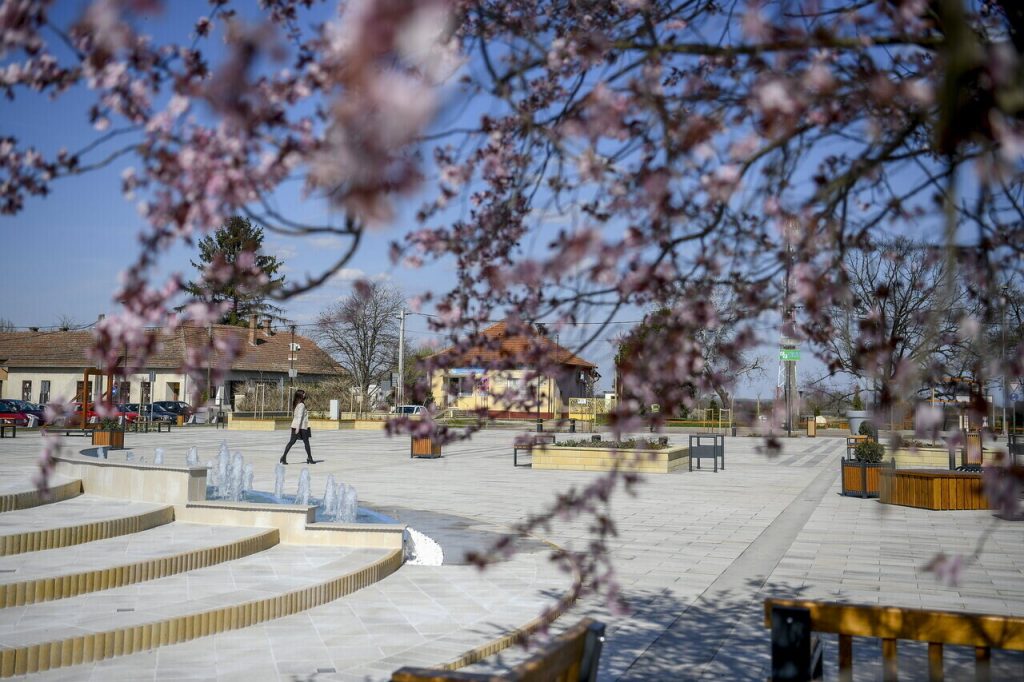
x: 305, y: 433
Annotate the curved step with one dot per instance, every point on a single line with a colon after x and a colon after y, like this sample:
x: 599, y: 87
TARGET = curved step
x: 27, y: 651
x: 36, y: 529
x: 180, y: 546
x: 26, y: 499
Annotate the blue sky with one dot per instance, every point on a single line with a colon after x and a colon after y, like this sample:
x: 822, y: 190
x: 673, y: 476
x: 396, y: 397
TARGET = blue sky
x: 65, y: 251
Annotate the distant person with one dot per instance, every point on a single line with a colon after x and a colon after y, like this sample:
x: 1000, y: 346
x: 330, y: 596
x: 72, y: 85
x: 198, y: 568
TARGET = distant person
x: 300, y: 427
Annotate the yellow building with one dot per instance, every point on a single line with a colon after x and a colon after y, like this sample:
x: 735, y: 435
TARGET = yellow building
x: 489, y: 377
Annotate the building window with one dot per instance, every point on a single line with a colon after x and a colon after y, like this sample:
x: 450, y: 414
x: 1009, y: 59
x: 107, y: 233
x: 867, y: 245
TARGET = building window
x: 26, y: 391
x: 82, y: 388
x: 123, y: 392
x: 146, y: 393
x: 44, y: 391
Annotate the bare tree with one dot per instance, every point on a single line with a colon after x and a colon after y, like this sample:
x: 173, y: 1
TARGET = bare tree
x: 361, y: 332
x: 902, y: 320
x: 66, y: 323
x: 6, y: 325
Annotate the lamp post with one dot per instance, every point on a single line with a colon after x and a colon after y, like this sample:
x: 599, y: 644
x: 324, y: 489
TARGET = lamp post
x: 1002, y: 355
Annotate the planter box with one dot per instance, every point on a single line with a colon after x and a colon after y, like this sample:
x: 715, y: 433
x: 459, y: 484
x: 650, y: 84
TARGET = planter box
x: 862, y: 479
x: 113, y: 440
x: 603, y: 459
x: 918, y: 458
x: 936, y: 489
x: 424, y: 447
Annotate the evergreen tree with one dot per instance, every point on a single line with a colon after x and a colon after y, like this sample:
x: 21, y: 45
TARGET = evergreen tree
x: 222, y: 248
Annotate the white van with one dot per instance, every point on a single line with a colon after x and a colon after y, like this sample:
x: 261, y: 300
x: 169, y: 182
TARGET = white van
x: 410, y: 410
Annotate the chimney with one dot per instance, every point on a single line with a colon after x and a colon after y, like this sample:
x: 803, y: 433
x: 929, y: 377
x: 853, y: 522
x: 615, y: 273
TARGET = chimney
x: 266, y: 325
x: 252, y: 330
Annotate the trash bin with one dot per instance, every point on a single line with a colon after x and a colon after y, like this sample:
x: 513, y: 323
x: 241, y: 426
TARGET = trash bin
x: 572, y: 426
x: 812, y: 428
x: 181, y: 420
x: 540, y: 425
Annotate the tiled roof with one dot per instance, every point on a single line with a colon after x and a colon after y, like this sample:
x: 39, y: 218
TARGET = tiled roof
x: 270, y: 354
x: 512, y: 345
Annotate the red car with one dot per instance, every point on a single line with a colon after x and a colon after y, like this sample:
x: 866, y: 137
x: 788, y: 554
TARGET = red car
x: 74, y: 412
x: 10, y: 413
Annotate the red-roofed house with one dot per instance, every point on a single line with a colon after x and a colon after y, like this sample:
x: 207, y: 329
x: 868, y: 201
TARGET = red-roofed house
x: 475, y: 383
x: 39, y: 366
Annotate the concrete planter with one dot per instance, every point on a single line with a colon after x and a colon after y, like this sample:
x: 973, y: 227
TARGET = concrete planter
x: 603, y: 459
x: 922, y: 458
x: 856, y: 418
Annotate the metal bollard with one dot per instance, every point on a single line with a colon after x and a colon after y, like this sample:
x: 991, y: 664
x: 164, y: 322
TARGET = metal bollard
x: 572, y: 426
x: 540, y: 425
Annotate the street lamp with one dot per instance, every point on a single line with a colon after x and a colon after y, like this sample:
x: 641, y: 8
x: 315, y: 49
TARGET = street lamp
x: 1006, y: 392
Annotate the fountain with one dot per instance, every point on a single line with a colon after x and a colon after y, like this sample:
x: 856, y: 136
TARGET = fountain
x: 223, y: 467
x: 279, y: 472
x: 302, y: 493
x: 192, y: 457
x: 158, y: 456
x: 129, y: 456
x: 330, y: 498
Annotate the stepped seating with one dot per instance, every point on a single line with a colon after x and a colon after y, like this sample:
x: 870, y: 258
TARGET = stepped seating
x: 81, y: 519
x: 46, y: 575
x: 279, y: 581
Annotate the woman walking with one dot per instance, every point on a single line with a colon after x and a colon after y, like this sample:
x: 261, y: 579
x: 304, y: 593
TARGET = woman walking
x: 300, y: 427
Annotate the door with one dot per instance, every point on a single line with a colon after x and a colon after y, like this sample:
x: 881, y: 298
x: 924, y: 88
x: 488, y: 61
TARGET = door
x: 26, y: 391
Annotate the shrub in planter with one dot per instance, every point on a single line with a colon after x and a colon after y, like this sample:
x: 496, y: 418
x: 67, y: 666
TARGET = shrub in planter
x: 867, y: 429
x: 869, y: 451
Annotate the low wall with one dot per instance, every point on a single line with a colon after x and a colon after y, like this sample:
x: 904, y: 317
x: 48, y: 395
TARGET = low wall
x: 603, y: 459
x: 294, y: 522
x: 248, y: 424
x: 185, y: 489
x: 136, y: 482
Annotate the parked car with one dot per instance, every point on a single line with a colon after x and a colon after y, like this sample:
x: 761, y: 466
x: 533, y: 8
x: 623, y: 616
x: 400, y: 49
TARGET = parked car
x: 74, y: 417
x: 10, y: 413
x: 34, y: 409
x: 179, y: 407
x: 158, y: 412
x: 409, y: 410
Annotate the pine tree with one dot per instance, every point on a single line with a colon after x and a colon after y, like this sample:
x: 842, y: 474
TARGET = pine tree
x: 235, y: 236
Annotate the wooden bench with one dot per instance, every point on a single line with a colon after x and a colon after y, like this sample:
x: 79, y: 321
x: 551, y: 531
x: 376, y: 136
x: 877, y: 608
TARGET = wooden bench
x: 68, y: 430
x: 570, y: 657
x: 706, y: 446
x: 4, y: 427
x: 793, y: 623
x: 144, y: 425
x: 528, y: 446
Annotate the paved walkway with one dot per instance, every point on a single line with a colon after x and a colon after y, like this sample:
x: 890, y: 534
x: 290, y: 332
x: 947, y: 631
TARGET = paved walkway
x: 696, y: 554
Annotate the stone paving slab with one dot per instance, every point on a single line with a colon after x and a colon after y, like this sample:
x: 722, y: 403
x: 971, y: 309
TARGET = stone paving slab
x: 676, y: 538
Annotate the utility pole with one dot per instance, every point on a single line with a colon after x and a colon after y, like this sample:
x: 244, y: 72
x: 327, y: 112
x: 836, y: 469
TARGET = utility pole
x: 400, y: 389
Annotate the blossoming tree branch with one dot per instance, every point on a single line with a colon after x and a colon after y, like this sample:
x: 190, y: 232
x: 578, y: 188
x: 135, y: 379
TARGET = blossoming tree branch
x: 579, y: 158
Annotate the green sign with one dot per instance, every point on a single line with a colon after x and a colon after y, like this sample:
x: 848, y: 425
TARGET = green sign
x: 789, y: 354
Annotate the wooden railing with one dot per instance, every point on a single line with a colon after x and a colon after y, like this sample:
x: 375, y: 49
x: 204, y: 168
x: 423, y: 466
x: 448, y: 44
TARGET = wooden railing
x: 890, y: 624
x: 570, y: 657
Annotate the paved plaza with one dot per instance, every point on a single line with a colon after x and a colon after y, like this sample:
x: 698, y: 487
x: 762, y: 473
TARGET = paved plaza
x: 696, y: 554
